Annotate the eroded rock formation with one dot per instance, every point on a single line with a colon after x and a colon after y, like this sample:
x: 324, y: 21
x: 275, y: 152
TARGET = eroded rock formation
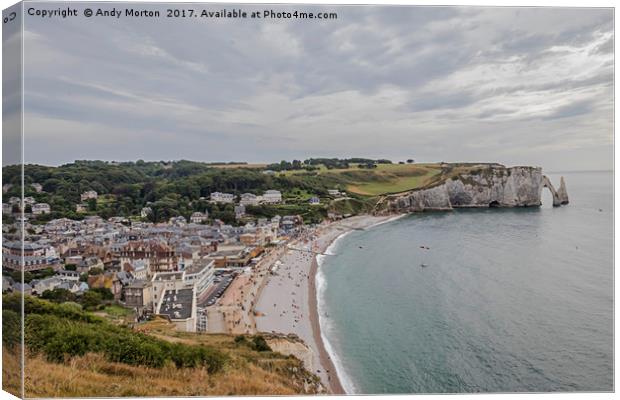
x: 489, y: 185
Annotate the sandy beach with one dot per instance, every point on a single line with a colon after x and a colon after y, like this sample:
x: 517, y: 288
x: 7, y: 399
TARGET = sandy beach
x: 287, y: 301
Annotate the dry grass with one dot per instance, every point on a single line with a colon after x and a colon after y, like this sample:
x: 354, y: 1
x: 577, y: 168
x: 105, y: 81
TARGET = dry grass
x: 11, y: 367
x: 247, y: 372
x: 92, y: 375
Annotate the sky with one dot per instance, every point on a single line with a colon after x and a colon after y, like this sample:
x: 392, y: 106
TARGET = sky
x: 519, y: 86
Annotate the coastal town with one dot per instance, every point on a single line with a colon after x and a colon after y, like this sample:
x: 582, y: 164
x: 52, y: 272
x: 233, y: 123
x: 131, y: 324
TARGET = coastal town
x: 198, y: 274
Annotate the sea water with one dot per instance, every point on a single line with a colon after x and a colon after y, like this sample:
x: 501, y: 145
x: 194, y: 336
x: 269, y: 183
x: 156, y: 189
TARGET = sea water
x: 487, y: 300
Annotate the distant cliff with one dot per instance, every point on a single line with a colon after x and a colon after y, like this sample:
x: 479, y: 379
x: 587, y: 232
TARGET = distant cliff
x: 479, y: 186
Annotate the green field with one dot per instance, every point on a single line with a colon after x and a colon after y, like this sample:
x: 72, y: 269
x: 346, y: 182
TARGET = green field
x: 395, y: 178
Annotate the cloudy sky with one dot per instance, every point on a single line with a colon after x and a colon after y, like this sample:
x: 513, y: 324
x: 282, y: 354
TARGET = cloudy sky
x: 511, y: 85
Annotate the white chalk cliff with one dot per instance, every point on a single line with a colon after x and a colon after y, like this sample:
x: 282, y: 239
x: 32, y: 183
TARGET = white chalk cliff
x: 491, y: 185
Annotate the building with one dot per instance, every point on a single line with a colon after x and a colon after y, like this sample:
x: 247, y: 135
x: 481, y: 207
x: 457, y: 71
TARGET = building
x: 249, y: 199
x: 158, y: 255
x: 90, y: 194
x: 272, y: 197
x: 138, y: 294
x: 239, y: 211
x: 37, y: 187
x: 41, y: 285
x: 81, y: 208
x: 198, y: 217
x: 179, y: 306
x: 217, y: 197
x: 314, y: 200
x: 200, y: 275
x: 234, y: 256
x: 333, y: 192
x: 7, y: 208
x: 180, y: 220
x: 35, y: 256
x: 41, y: 208
x: 66, y: 275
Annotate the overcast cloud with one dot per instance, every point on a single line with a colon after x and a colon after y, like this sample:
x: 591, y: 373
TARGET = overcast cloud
x: 514, y: 85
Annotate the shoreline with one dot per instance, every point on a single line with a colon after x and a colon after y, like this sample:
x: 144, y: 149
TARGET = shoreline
x: 289, y: 299
x: 335, y: 379
x: 335, y: 385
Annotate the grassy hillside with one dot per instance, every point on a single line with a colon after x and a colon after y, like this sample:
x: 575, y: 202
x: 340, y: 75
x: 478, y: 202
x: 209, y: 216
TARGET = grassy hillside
x: 72, y: 353
x: 384, y: 179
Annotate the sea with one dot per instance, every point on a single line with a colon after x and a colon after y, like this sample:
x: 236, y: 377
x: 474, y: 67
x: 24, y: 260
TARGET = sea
x: 476, y: 300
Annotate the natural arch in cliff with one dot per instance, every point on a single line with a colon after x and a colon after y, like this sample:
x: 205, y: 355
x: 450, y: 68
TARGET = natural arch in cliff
x: 554, y: 193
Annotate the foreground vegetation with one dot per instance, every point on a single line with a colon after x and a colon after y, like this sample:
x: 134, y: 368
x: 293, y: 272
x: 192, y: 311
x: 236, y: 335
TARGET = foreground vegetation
x: 70, y: 352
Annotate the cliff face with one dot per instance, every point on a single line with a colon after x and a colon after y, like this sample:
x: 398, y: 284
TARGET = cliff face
x: 487, y: 186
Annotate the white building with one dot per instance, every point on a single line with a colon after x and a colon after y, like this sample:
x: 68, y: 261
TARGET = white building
x: 272, y: 196
x: 81, y: 208
x: 217, y: 197
x: 7, y: 208
x: 333, y: 192
x: 198, y: 217
x: 249, y: 199
x: 37, y: 187
x: 90, y: 194
x: 41, y: 208
x: 200, y: 275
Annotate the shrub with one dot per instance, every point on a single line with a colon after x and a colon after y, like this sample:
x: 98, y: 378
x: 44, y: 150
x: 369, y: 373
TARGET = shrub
x: 11, y: 328
x: 61, y: 331
x: 260, y: 344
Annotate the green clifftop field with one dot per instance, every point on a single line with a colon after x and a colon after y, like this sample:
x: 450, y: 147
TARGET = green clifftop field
x: 72, y: 353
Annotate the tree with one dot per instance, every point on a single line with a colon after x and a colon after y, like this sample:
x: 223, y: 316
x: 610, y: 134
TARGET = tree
x: 91, y: 299
x: 409, y: 161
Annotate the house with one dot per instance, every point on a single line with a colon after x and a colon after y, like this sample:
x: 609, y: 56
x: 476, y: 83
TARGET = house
x: 41, y: 208
x: 198, y: 217
x: 7, y: 283
x: 7, y: 208
x: 66, y: 275
x: 81, y: 208
x: 6, y: 187
x: 217, y: 197
x: 272, y: 197
x: 314, y: 200
x: 239, y: 211
x: 180, y: 220
x: 90, y: 263
x: 90, y: 194
x: 41, y: 285
x: 73, y: 287
x: 37, y: 187
x: 249, y: 199
x: 24, y: 288
x: 138, y: 294
x: 333, y: 192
